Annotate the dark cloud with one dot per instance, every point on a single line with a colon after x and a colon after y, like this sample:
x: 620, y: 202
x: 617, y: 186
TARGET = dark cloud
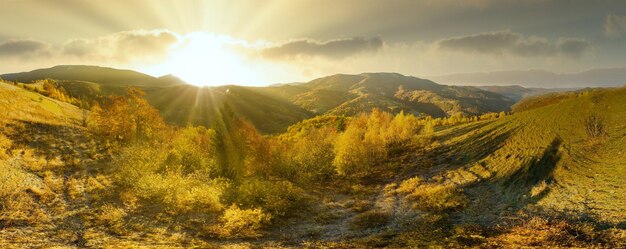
x: 574, y: 47
x: 334, y: 49
x: 506, y: 42
x: 22, y: 47
x: 122, y: 46
x: 615, y: 25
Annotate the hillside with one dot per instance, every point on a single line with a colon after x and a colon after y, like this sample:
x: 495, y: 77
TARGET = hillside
x: 272, y: 109
x: 351, y: 94
x: 600, y: 77
x: 544, y: 160
x: 532, y: 178
x: 517, y: 93
x: 178, y: 102
x: 101, y: 75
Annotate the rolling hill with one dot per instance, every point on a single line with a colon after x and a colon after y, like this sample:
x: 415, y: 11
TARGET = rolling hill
x: 179, y: 103
x: 350, y: 94
x: 517, y: 92
x: 272, y: 109
x: 480, y: 179
x: 600, y: 77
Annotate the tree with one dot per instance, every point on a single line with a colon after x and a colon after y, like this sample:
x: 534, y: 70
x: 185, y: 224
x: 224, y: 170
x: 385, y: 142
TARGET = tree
x: 230, y: 143
x: 126, y: 118
x: 368, y: 139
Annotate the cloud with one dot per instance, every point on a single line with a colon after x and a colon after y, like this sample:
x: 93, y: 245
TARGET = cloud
x: 333, y: 49
x: 119, y: 47
x: 574, y: 47
x: 507, y: 42
x: 615, y: 25
x: 17, y: 47
x: 123, y: 46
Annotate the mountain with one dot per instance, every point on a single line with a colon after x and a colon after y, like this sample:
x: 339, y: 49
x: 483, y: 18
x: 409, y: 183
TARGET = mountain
x: 351, y: 94
x: 517, y: 92
x: 101, y: 75
x: 178, y: 102
x: 273, y: 108
x: 605, y: 77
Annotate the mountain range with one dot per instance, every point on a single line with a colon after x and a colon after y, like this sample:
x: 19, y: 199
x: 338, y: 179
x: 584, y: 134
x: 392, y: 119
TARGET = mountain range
x: 273, y: 108
x: 602, y: 77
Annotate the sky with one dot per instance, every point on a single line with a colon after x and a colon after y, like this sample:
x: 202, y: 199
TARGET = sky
x: 260, y: 42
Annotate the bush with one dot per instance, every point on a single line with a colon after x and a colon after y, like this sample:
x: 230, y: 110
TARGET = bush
x: 112, y: 217
x: 180, y: 175
x: 595, y: 127
x: 277, y: 197
x: 306, y: 155
x: 241, y: 223
x: 432, y: 197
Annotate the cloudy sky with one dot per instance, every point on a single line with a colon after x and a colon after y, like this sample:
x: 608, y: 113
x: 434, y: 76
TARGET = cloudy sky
x: 257, y: 42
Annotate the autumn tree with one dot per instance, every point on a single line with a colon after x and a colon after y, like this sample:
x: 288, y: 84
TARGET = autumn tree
x: 126, y: 118
x: 230, y: 143
x: 368, y: 139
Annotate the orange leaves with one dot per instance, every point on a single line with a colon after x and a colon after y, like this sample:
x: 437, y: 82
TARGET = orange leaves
x: 126, y: 118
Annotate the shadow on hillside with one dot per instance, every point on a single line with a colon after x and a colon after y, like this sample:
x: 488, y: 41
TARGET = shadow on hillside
x: 464, y: 130
x: 476, y: 146
x: 537, y: 171
x: 51, y: 141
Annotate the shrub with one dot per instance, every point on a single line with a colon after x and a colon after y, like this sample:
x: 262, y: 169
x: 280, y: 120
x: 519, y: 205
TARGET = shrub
x: 180, y: 175
x: 306, y: 155
x: 595, y: 127
x: 277, y: 197
x: 241, y: 223
x: 112, y: 217
x: 431, y: 197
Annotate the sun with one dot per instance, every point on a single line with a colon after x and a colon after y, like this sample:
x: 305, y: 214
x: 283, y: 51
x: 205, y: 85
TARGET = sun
x: 203, y: 59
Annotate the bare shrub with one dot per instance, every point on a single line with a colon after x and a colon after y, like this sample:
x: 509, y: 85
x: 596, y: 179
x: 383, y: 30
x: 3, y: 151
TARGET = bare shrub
x: 595, y: 127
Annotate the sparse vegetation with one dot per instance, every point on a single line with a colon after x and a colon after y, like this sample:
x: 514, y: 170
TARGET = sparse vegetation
x: 595, y: 127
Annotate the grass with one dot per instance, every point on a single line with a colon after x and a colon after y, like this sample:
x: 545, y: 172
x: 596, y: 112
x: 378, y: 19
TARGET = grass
x: 534, y: 178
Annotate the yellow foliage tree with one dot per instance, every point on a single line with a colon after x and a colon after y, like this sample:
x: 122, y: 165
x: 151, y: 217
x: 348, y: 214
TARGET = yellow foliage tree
x: 126, y: 118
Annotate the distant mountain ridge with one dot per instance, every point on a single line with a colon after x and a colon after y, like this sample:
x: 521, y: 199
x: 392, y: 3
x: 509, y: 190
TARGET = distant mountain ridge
x: 604, y: 77
x: 517, y: 92
x: 102, y: 75
x: 344, y: 94
x: 273, y: 108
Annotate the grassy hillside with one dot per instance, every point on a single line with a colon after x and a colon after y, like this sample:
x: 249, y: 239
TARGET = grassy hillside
x: 179, y: 103
x: 101, y: 75
x: 517, y: 93
x: 352, y: 94
x: 272, y: 109
x: 535, y: 178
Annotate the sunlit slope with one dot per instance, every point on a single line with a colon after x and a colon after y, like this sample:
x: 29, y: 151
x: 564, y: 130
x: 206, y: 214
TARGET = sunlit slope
x: 545, y: 157
x: 178, y: 102
x: 19, y: 104
x: 30, y: 127
x: 351, y: 94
